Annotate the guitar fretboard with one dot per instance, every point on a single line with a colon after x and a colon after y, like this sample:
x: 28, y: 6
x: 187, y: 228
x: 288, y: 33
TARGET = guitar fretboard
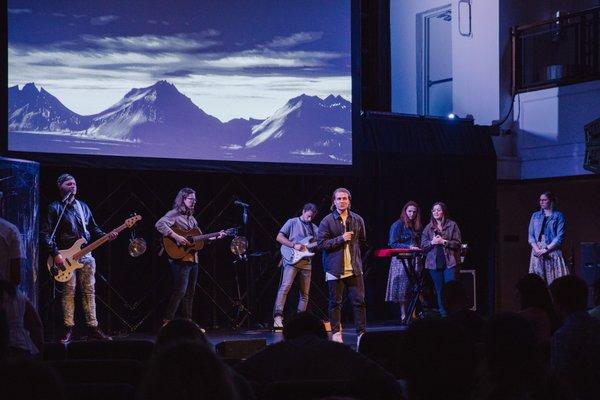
x: 94, y: 245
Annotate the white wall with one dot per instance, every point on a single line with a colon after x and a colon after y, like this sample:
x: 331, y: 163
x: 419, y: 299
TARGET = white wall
x: 550, y: 137
x: 475, y: 63
x: 404, y: 55
x: 475, y: 66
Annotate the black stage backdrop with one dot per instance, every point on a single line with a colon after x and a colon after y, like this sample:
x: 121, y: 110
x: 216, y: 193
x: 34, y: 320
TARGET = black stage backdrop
x: 398, y: 158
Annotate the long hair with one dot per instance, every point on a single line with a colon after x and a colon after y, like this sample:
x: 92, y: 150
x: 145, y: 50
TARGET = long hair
x: 444, y: 209
x: 414, y: 224
x: 178, y: 203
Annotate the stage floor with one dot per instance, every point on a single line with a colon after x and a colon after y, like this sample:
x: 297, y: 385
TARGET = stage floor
x: 216, y: 336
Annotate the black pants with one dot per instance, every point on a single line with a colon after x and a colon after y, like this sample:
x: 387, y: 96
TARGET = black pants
x: 356, y: 292
x: 185, y: 275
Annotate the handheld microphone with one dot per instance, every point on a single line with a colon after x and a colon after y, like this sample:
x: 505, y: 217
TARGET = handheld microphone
x: 240, y: 203
x: 349, y: 226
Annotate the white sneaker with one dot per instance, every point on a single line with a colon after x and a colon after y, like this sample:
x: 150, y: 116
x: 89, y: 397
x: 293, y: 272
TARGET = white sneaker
x: 278, y: 323
x: 337, y: 337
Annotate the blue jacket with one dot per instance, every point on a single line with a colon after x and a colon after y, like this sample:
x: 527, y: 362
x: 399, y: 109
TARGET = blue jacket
x: 331, y: 241
x: 402, y: 237
x: 554, y: 231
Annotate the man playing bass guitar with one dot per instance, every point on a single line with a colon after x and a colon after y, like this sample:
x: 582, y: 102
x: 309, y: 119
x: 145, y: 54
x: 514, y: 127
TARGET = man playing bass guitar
x: 77, y: 222
x: 297, y: 237
x: 185, y: 269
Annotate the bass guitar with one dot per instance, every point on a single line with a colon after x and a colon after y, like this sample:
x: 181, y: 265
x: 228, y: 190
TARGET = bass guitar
x: 64, y: 272
x: 291, y: 256
x: 194, y: 236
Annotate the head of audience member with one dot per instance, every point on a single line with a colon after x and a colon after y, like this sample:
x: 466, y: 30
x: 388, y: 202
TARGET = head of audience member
x: 304, y: 324
x: 438, y: 345
x: 454, y: 297
x: 186, y: 370
x: 533, y: 292
x: 26, y: 379
x: 177, y: 330
x: 569, y: 295
x: 511, y: 347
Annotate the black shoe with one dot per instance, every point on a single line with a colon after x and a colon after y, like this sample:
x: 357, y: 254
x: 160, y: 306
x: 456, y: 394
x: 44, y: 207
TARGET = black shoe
x: 96, y: 334
x: 68, y: 336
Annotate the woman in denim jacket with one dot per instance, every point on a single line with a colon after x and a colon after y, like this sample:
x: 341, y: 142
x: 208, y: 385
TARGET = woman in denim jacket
x: 441, y: 243
x: 405, y: 233
x: 546, y: 233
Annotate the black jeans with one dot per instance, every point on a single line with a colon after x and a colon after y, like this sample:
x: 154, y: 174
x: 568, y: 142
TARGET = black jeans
x: 185, y: 275
x: 356, y: 292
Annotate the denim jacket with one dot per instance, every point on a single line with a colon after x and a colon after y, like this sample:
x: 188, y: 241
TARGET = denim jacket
x: 402, y: 237
x: 554, y: 231
x: 451, y: 233
x: 331, y: 241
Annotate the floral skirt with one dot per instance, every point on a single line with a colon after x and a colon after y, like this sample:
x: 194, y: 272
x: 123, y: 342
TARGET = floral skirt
x: 550, y: 266
x: 398, y: 282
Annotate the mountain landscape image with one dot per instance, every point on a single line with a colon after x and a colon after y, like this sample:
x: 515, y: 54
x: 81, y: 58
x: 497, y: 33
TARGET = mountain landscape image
x: 266, y: 81
x: 160, y: 121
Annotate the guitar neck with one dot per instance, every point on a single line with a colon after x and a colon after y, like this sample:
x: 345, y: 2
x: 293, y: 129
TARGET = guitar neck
x: 205, y: 237
x: 94, y: 245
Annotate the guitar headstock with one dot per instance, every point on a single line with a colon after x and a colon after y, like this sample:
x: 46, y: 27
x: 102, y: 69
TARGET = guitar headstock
x: 129, y: 222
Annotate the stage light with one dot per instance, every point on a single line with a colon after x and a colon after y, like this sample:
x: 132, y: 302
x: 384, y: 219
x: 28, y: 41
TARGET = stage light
x: 451, y: 116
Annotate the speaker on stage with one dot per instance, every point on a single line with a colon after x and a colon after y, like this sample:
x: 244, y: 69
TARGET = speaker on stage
x: 240, y: 349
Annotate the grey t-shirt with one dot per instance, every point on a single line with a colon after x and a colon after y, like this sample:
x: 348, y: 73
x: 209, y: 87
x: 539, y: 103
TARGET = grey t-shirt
x: 296, y: 230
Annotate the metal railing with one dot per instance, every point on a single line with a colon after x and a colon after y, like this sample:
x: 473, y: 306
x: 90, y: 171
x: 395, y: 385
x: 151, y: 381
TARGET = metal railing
x: 560, y: 51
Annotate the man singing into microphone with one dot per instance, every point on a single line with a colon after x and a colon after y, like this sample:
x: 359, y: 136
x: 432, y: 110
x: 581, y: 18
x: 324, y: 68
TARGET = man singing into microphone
x: 77, y: 222
x: 341, y: 235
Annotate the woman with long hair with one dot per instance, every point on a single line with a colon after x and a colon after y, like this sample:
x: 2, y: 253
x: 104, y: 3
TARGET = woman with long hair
x: 440, y: 242
x: 405, y: 233
x: 546, y: 234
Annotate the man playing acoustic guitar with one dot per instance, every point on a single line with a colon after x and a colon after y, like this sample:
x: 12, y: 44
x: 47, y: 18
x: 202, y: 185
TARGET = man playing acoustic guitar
x: 299, y: 234
x: 184, y: 269
x: 77, y: 222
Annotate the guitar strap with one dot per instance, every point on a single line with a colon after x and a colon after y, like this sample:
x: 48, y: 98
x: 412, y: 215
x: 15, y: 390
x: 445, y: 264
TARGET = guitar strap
x: 79, y: 210
x: 310, y: 226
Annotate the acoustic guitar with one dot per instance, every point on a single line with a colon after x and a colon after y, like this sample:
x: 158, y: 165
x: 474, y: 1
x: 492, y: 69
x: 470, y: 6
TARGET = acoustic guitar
x: 194, y: 236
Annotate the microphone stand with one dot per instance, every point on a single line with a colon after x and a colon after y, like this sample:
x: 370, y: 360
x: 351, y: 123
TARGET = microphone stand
x: 242, y: 311
x: 65, y: 203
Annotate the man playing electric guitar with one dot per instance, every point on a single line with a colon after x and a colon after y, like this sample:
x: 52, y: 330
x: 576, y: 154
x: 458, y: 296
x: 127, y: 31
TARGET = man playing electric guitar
x: 77, y: 222
x: 300, y: 235
x: 185, y: 269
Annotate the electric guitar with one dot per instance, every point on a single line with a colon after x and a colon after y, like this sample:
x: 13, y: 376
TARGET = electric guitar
x: 72, y: 255
x: 292, y: 256
x: 194, y: 236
